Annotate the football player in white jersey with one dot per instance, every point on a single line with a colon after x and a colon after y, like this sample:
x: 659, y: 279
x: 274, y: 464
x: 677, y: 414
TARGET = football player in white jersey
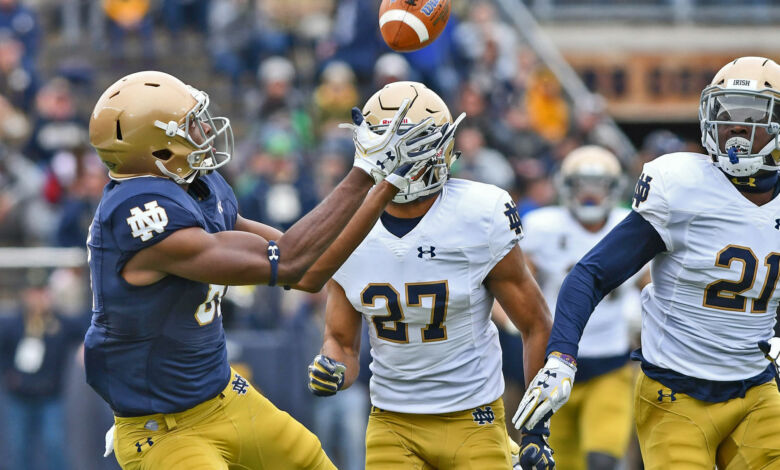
x: 425, y: 279
x: 593, y: 430
x: 711, y: 225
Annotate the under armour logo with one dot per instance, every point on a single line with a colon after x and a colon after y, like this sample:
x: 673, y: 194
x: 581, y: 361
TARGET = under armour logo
x: 139, y: 445
x: 219, y: 207
x: 777, y: 224
x: 744, y: 181
x: 273, y: 252
x: 670, y: 395
x: 430, y: 252
x: 514, y: 217
x: 642, y: 189
x: 483, y: 416
x: 390, y: 157
x: 143, y: 223
x: 240, y: 385
x: 547, y: 376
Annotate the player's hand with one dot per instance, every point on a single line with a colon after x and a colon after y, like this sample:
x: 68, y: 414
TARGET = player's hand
x: 326, y: 376
x: 380, y: 154
x: 547, y: 392
x: 771, y: 350
x: 535, y: 452
x: 109, y: 441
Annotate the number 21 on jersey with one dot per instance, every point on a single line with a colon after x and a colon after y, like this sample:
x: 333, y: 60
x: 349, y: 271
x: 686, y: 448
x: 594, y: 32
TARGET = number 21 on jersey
x: 725, y: 295
x: 399, y: 331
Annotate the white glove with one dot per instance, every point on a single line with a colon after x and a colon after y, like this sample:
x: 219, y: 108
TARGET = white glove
x: 380, y: 154
x: 109, y: 441
x: 547, y: 392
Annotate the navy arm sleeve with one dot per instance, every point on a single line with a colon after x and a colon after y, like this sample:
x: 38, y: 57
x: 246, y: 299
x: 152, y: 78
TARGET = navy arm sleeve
x: 618, y: 256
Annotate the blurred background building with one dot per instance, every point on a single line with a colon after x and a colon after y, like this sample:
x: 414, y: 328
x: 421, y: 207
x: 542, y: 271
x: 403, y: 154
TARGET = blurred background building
x: 536, y: 78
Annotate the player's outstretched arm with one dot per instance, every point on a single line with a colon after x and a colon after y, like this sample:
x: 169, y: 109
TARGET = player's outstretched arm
x: 239, y: 257
x: 356, y: 230
x: 338, y: 364
x: 338, y: 252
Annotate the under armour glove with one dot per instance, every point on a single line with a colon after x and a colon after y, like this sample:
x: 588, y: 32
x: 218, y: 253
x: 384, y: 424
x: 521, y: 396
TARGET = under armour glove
x: 535, y: 452
x: 380, y: 154
x: 547, y: 392
x: 771, y: 350
x: 326, y: 376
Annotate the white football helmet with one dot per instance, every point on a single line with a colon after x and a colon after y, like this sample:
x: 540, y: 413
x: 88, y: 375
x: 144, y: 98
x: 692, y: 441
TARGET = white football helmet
x: 379, y: 111
x: 745, y: 93
x: 590, y: 182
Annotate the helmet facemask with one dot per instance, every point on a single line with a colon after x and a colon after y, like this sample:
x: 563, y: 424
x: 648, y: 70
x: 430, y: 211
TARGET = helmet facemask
x: 590, y: 197
x: 590, y: 183
x: 428, y: 175
x: 756, y: 111
x: 216, y: 146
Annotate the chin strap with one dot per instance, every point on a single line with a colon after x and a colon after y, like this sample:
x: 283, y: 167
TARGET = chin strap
x: 759, y: 183
x: 178, y: 179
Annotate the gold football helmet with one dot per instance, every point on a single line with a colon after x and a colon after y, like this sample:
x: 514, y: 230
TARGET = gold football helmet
x: 151, y: 124
x: 590, y: 182
x: 379, y: 111
x: 745, y: 93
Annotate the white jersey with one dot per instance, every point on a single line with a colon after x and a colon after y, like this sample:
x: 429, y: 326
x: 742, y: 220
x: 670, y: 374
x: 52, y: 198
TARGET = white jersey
x: 714, y: 293
x: 433, y: 345
x: 554, y: 242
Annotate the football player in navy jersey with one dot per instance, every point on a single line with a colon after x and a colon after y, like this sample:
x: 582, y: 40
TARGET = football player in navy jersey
x: 165, y: 242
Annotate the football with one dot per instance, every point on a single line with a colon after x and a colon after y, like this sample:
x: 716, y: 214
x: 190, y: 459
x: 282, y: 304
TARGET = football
x: 408, y: 25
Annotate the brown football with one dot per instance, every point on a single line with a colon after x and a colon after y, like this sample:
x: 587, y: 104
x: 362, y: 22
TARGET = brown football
x: 408, y: 25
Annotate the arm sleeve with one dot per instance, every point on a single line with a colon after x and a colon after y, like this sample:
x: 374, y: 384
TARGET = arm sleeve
x: 623, y: 252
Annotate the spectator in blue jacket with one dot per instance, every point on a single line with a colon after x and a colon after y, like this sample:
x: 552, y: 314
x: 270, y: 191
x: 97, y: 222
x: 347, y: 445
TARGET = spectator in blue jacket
x: 35, y: 345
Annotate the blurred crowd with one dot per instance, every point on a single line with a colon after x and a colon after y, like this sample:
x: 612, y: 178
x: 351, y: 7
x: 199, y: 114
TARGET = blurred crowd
x: 286, y: 73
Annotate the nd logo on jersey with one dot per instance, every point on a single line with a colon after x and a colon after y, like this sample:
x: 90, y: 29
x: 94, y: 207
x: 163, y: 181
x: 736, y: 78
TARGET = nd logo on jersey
x: 143, y: 223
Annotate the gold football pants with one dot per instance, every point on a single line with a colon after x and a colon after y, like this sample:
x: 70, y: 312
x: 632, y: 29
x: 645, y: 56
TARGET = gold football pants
x: 473, y: 439
x: 682, y: 433
x: 596, y: 418
x: 238, y: 429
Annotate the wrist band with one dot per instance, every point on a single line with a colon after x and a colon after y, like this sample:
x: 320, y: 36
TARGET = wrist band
x: 274, y: 253
x: 567, y: 358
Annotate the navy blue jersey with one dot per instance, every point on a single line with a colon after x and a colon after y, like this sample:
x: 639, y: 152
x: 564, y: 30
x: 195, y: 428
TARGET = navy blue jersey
x: 158, y: 348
